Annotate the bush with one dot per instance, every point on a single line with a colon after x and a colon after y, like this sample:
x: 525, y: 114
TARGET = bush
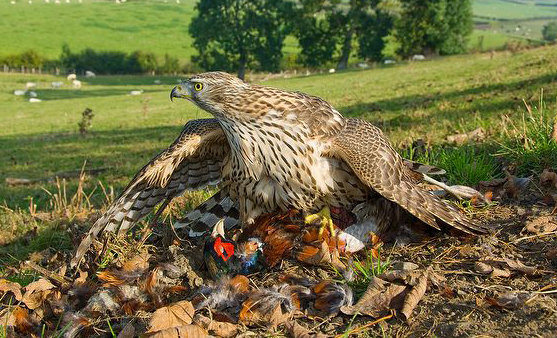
x: 28, y: 59
x: 549, y: 31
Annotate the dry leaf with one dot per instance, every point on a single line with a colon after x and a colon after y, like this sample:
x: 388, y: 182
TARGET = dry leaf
x: 36, y: 293
x: 379, y: 297
x: 7, y: 286
x: 414, y: 296
x: 509, y: 300
x: 219, y: 329
x: 185, y: 331
x: 174, y: 315
x: 541, y: 224
x: 410, y: 277
x: 298, y: 331
x: 519, y: 266
x: 128, y: 331
x: 502, y: 267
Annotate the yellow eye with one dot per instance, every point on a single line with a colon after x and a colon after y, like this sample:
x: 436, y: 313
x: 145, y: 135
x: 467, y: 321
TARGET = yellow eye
x: 198, y: 86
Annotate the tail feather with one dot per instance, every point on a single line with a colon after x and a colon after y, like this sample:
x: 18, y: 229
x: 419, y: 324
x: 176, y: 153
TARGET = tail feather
x: 205, y: 216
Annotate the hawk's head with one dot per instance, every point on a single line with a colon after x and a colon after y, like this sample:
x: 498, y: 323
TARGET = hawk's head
x: 210, y: 91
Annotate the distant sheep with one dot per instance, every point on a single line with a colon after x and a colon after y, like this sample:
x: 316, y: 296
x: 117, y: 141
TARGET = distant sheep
x: 389, y: 62
x: 331, y: 71
x: 89, y: 74
x: 158, y: 82
x: 418, y: 57
x: 32, y: 94
x: 12, y: 2
x: 56, y: 84
x: 35, y: 100
x: 19, y: 92
x: 363, y: 65
x: 72, y: 77
x: 76, y: 84
x: 29, y: 85
x: 136, y: 92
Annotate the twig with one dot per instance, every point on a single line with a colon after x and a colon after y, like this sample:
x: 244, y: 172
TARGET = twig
x: 534, y: 236
x: 360, y: 328
x: 64, y: 281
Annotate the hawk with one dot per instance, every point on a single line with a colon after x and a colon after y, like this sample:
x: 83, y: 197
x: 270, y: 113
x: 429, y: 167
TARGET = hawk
x: 271, y: 150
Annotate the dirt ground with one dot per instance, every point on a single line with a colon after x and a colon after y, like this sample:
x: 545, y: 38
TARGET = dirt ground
x: 498, y: 285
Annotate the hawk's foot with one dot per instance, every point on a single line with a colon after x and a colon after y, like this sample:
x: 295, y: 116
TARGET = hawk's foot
x: 326, y: 221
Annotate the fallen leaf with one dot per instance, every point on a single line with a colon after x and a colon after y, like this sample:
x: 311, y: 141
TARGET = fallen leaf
x: 36, y: 293
x: 410, y: 277
x: 541, y: 224
x: 219, y: 329
x: 128, y: 331
x: 414, y: 296
x: 379, y: 297
x: 298, y: 331
x: 517, y: 265
x: 185, y: 331
x: 172, y: 316
x: 7, y: 286
x: 509, y: 300
x: 502, y: 267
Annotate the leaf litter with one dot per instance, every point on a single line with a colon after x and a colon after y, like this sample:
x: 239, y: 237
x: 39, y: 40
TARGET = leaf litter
x: 158, y: 291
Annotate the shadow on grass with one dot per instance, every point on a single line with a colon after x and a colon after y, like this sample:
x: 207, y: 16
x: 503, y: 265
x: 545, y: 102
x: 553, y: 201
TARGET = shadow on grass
x: 39, y: 156
x: 487, y: 100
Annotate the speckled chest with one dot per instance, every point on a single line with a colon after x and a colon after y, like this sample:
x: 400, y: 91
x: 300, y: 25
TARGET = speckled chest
x: 277, y: 163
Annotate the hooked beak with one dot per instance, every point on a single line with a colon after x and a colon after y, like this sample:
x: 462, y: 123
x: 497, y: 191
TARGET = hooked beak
x: 180, y: 91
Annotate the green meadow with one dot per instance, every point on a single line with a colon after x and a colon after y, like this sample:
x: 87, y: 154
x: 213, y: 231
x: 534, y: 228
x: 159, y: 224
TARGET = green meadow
x: 417, y: 100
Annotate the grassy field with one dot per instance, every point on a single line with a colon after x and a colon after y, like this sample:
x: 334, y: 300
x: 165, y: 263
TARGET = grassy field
x: 427, y: 100
x: 513, y: 10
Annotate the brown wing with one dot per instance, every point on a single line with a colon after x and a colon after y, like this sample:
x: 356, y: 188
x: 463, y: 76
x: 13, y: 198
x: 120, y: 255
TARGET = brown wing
x: 368, y: 152
x: 192, y: 162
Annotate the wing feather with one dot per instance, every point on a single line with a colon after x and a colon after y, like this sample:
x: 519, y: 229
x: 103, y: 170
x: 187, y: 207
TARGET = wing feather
x: 192, y: 162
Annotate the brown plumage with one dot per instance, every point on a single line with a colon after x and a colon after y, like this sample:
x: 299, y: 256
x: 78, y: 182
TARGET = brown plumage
x: 273, y: 150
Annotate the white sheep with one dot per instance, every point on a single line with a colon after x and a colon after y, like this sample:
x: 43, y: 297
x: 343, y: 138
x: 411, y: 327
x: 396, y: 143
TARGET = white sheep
x: 89, y: 73
x: 29, y: 85
x: 418, y: 57
x: 56, y: 84
x: 76, y: 84
x: 35, y: 100
x: 72, y: 77
x: 57, y: 2
x: 30, y: 2
x: 158, y: 82
x: 363, y: 65
x: 389, y: 62
x: 46, y: 1
x: 18, y: 92
x: 32, y: 94
x: 331, y: 71
x: 136, y: 92
x: 12, y: 2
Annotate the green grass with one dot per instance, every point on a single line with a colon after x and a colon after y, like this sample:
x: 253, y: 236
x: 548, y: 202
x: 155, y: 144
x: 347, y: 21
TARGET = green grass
x: 152, y: 26
x: 500, y: 9
x: 427, y: 100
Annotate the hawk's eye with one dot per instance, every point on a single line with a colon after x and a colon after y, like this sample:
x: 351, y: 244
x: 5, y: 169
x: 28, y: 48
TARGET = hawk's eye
x: 198, y: 86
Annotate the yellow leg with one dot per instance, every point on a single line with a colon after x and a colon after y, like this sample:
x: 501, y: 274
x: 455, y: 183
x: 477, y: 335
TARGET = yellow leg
x: 326, y: 221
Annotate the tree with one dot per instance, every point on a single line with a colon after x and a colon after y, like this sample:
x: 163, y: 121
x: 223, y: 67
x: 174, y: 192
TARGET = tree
x: 549, y: 31
x: 232, y: 35
x: 328, y: 27
x: 434, y: 26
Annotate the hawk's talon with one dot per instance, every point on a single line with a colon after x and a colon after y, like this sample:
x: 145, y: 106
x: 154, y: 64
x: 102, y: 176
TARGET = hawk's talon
x: 326, y: 221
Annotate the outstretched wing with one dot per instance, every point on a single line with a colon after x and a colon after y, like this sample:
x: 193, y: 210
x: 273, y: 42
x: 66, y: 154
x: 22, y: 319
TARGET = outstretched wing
x: 368, y: 152
x: 192, y: 162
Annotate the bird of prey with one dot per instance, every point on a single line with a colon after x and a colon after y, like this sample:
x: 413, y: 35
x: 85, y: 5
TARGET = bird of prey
x: 271, y: 150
